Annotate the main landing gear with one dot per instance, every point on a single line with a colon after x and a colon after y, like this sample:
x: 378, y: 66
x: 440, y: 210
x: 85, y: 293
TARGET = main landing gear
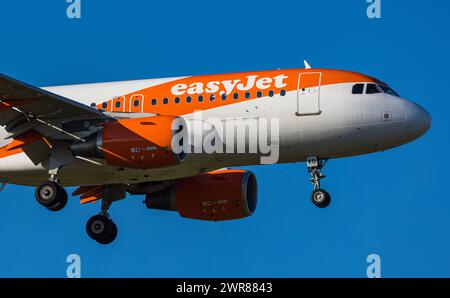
x: 101, y: 228
x: 319, y: 196
x: 51, y: 195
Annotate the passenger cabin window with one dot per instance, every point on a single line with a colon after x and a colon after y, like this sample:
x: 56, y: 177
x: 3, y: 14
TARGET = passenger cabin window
x: 283, y: 92
x: 153, y: 101
x: 104, y: 105
x: 165, y: 101
x: 358, y: 89
x: 188, y: 99
x: 136, y: 103
x: 177, y: 100
x: 372, y: 89
x: 224, y: 96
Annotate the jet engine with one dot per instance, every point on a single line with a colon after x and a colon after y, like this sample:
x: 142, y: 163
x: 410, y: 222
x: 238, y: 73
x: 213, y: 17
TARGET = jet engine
x: 215, y: 196
x: 140, y: 143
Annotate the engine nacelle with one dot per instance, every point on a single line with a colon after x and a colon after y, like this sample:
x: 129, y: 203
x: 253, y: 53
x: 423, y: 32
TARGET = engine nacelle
x: 139, y: 143
x: 218, y: 195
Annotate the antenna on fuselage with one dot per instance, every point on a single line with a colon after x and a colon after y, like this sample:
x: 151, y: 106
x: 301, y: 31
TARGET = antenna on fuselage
x: 307, y: 66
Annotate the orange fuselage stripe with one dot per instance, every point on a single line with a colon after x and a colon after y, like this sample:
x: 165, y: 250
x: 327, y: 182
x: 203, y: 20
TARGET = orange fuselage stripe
x: 207, y: 85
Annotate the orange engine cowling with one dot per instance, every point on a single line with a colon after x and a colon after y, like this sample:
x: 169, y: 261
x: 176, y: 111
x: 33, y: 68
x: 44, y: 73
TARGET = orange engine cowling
x: 217, y: 195
x: 139, y: 143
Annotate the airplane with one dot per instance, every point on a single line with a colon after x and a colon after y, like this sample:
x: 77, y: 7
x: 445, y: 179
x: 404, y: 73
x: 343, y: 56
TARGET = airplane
x: 116, y: 138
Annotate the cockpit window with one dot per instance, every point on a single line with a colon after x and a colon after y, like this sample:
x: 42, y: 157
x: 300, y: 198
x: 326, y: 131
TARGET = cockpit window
x: 388, y: 90
x: 372, y: 89
x: 358, y: 89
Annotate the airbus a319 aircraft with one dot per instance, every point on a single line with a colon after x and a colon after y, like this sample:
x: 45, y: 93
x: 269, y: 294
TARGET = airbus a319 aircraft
x: 110, y: 139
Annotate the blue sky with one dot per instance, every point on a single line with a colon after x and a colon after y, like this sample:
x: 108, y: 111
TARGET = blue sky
x: 394, y: 204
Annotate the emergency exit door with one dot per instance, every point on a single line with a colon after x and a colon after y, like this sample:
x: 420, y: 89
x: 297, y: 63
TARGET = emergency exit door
x: 308, y: 93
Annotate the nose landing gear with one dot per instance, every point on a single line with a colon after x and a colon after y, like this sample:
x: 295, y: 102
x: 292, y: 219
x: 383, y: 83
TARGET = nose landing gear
x: 319, y: 196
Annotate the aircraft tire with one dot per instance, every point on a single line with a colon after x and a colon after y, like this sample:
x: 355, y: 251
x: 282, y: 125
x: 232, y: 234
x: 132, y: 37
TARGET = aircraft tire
x: 51, y: 195
x: 320, y: 198
x: 101, y: 229
x: 60, y: 204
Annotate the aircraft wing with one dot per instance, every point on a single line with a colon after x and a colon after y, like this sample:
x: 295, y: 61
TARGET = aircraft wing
x: 24, y: 108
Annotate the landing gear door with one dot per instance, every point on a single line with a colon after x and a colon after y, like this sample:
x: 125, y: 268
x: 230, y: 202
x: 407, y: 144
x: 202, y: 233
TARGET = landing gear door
x: 308, y: 93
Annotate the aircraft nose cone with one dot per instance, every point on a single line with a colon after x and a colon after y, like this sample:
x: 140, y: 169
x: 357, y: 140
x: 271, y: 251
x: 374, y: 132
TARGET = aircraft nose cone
x: 418, y: 120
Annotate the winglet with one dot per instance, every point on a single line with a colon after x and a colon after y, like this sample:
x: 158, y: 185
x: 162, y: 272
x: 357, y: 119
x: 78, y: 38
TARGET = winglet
x: 307, y: 66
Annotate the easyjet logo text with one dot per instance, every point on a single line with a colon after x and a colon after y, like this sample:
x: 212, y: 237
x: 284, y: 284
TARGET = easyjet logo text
x: 228, y: 86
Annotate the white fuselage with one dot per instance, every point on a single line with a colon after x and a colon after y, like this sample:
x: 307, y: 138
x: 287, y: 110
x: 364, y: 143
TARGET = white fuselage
x: 347, y: 124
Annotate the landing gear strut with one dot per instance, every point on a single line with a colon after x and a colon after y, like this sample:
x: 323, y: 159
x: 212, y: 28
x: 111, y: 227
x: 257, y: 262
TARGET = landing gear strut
x: 100, y: 227
x: 51, y: 195
x: 319, y: 196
